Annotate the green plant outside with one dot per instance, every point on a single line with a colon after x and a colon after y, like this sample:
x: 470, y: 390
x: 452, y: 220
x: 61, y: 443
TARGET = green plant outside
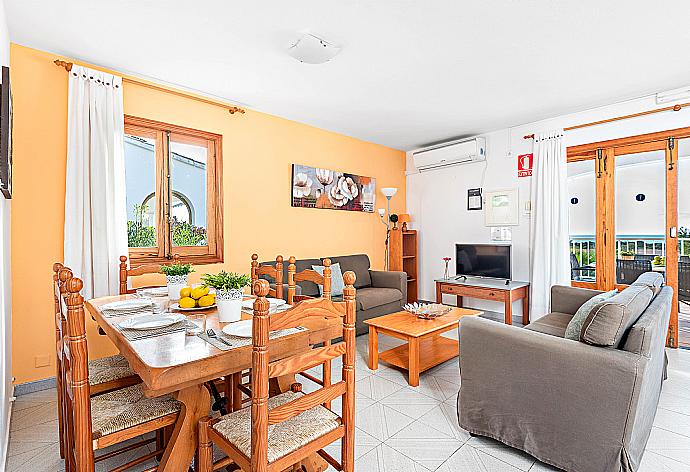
x: 183, y: 233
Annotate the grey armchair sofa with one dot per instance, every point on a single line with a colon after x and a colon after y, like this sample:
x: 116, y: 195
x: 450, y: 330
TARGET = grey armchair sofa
x: 572, y: 404
x: 378, y: 292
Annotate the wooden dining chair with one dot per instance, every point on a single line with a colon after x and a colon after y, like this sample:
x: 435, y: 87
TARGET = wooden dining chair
x: 127, y: 271
x: 105, y: 374
x: 276, y: 433
x: 111, y: 418
x: 258, y: 270
x: 309, y: 275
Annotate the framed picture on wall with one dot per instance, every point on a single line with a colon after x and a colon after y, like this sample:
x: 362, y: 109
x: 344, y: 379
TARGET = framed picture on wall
x: 322, y: 188
x: 6, y: 134
x: 501, y: 208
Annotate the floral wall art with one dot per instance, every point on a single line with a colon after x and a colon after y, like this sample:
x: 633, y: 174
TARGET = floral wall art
x: 313, y: 187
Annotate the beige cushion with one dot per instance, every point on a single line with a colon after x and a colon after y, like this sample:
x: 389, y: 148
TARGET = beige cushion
x: 127, y: 407
x: 610, y: 319
x: 653, y: 280
x: 108, y: 369
x: 283, y: 438
x: 371, y: 297
x: 553, y: 324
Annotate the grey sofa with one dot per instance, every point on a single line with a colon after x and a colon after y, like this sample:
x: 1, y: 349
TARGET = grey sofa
x: 378, y: 292
x: 582, y: 406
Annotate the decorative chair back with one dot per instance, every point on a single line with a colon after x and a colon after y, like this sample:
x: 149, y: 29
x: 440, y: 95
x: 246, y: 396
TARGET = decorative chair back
x: 141, y: 269
x: 258, y: 270
x: 60, y: 328
x: 307, y: 275
x: 684, y: 281
x: 628, y: 271
x: 262, y: 370
x: 76, y: 371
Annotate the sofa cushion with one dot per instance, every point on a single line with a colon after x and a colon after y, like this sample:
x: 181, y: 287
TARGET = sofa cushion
x: 575, y: 325
x: 609, y: 320
x: 553, y: 324
x: 359, y: 264
x: 370, y: 297
x: 653, y: 280
x: 337, y: 281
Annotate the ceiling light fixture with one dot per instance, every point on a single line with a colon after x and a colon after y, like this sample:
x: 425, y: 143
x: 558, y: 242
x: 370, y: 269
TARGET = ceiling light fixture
x: 313, y: 50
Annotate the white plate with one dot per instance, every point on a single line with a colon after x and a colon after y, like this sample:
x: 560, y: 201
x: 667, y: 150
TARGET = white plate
x: 152, y: 321
x: 176, y: 306
x: 131, y: 304
x: 243, y: 329
x: 275, y: 302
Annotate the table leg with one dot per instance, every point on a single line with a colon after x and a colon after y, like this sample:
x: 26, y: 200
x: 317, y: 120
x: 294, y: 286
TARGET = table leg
x: 458, y: 302
x: 439, y: 295
x: 373, y: 348
x: 185, y: 438
x: 508, y: 308
x: 525, y: 308
x: 413, y: 349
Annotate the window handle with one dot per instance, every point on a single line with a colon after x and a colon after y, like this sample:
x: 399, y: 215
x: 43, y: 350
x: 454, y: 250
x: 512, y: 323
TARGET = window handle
x: 673, y: 232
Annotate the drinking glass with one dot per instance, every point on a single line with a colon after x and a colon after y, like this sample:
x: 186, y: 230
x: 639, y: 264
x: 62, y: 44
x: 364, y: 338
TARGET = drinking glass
x: 197, y: 324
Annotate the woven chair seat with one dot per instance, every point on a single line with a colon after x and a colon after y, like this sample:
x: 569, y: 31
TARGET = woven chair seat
x: 109, y: 369
x: 127, y: 407
x: 283, y: 438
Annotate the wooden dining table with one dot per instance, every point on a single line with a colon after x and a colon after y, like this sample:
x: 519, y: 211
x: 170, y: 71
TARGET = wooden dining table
x: 178, y: 364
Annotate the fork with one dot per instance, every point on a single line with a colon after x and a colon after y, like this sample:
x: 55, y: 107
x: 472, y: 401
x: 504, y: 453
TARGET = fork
x: 212, y: 334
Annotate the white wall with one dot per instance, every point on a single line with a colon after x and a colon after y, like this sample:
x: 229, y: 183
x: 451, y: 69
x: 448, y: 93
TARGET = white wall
x: 5, y: 292
x: 437, y: 200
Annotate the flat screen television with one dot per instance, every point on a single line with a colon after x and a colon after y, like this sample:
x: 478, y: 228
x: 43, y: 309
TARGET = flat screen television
x: 483, y: 260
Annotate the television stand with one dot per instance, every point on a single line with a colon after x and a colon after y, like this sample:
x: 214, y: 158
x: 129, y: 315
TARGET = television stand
x: 503, y: 290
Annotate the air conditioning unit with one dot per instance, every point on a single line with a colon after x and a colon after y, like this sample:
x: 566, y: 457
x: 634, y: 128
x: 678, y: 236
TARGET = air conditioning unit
x: 451, y: 153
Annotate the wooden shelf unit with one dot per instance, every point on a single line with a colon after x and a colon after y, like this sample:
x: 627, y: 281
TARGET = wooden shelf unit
x: 403, y: 257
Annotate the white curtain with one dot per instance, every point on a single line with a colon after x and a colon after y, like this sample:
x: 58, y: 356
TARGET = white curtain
x: 95, y: 200
x: 549, y: 232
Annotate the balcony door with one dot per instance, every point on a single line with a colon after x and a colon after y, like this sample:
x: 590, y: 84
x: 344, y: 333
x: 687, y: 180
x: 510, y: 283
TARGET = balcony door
x: 624, y: 213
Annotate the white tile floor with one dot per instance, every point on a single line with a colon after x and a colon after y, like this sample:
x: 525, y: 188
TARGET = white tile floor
x: 399, y: 428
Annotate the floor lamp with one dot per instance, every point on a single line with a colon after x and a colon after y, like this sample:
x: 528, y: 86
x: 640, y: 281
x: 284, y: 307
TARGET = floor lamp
x: 388, y: 192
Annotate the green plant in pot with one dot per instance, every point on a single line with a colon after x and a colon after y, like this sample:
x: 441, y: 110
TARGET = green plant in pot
x: 229, y: 287
x: 627, y: 255
x: 177, y: 275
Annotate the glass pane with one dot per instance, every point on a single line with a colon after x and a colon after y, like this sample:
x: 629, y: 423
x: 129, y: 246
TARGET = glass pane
x: 583, y: 220
x: 684, y: 242
x: 188, y: 206
x: 640, y: 198
x: 140, y: 178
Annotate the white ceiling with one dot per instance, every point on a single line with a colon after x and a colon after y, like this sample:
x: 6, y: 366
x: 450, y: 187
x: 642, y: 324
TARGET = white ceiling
x: 411, y: 72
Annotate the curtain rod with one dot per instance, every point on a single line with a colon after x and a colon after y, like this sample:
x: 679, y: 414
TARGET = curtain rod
x: 618, y: 118
x: 231, y: 108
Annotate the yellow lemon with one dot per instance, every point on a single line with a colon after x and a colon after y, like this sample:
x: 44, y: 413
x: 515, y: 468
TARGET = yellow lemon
x: 207, y: 300
x: 187, y: 302
x: 198, y: 292
x: 186, y: 292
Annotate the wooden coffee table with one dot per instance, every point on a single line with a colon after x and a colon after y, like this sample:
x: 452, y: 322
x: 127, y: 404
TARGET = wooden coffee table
x: 425, y: 347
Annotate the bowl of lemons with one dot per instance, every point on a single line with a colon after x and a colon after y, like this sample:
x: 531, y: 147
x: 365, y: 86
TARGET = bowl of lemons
x: 195, y: 298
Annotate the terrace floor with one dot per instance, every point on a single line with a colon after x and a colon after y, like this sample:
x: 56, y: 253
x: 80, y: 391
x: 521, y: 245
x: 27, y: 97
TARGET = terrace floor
x: 684, y: 325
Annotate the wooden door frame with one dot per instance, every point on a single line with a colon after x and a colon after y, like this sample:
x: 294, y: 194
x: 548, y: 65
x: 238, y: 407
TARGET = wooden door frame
x: 605, y: 233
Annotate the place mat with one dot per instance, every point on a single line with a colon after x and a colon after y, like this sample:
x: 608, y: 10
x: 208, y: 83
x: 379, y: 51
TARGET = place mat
x: 138, y: 311
x: 238, y: 341
x: 271, y: 311
x: 135, y: 334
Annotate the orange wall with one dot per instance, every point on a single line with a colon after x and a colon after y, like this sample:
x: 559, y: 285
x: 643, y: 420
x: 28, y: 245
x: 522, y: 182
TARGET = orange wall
x: 258, y: 150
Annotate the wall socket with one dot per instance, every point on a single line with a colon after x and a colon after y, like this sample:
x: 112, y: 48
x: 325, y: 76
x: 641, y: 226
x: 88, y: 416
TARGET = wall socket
x: 42, y: 361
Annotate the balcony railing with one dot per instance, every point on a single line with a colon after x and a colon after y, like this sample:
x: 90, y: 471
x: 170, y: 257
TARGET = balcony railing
x: 584, y: 246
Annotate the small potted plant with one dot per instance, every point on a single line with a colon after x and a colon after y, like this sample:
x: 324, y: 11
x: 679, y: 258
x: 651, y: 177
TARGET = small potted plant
x: 229, y: 295
x: 659, y: 261
x: 627, y: 255
x: 177, y: 275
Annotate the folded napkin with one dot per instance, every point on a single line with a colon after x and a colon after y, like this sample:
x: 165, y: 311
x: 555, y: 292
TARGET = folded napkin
x: 120, y: 309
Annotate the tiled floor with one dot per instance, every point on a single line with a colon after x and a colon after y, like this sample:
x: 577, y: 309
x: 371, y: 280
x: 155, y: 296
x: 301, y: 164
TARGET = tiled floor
x: 399, y: 428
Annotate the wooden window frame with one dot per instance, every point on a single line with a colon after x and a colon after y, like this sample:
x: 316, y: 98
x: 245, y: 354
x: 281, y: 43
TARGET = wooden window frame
x: 163, y: 133
x: 605, y: 206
